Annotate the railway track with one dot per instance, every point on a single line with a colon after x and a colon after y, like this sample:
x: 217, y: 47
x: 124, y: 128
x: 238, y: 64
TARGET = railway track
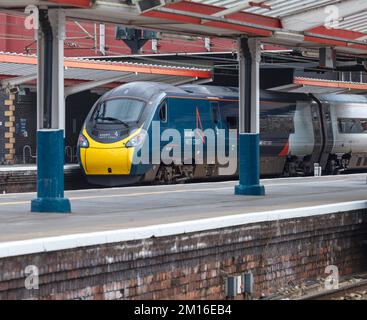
x: 352, y: 290
x: 24, y: 179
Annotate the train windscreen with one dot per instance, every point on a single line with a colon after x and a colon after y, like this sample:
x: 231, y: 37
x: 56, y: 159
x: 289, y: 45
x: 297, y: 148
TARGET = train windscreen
x: 118, y: 111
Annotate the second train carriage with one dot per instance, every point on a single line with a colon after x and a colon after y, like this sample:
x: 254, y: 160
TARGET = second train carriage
x: 296, y: 131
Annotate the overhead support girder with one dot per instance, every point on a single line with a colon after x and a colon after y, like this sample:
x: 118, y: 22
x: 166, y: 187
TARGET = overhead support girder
x: 16, y: 81
x: 231, y: 25
x: 242, y: 6
x: 181, y: 82
x: 73, y: 3
x: 210, y: 16
x: 253, y: 25
x: 202, y: 81
x: 93, y: 84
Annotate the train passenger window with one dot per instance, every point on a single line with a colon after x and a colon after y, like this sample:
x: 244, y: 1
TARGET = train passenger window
x: 228, y: 113
x: 277, y: 124
x: 163, y: 112
x: 351, y: 126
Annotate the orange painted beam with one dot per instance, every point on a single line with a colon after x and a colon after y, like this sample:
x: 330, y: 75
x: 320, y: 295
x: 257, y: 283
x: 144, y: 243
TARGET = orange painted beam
x: 108, y: 66
x: 138, y: 68
x: 336, y: 43
x: 173, y: 17
x: 74, y: 3
x: 330, y: 84
x: 236, y: 27
x: 347, y: 34
x: 240, y: 16
x: 339, y: 33
x: 12, y: 58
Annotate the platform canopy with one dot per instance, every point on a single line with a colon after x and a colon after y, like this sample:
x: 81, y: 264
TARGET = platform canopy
x: 83, y: 74
x: 306, y: 23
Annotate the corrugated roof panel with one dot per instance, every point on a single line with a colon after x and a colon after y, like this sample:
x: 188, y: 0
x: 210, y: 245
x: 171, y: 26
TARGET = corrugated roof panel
x: 13, y: 69
x: 284, y: 10
x: 356, y: 22
x: 82, y: 74
x: 278, y: 8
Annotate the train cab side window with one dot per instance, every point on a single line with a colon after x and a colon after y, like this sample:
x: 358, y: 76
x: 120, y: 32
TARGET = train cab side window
x: 232, y: 122
x: 163, y: 112
x: 215, y: 112
x: 352, y: 126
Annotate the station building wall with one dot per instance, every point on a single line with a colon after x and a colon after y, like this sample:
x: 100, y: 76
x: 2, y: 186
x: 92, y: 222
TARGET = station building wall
x: 24, y: 125
x: 80, y: 44
x: 77, y: 108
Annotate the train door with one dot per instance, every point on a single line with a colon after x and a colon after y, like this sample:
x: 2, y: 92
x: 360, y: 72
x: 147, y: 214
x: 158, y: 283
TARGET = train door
x: 306, y: 142
x: 205, y: 137
x: 230, y: 121
x: 190, y: 117
x: 220, y: 136
x: 317, y: 133
x: 170, y: 130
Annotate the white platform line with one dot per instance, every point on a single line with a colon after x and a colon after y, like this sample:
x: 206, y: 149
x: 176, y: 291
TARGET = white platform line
x: 8, y: 169
x: 17, y: 248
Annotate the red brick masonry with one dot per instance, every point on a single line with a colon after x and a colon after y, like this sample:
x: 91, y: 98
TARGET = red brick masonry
x: 193, y: 266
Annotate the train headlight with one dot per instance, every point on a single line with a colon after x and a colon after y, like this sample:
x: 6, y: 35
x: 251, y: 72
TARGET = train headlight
x: 83, y: 142
x: 136, y: 140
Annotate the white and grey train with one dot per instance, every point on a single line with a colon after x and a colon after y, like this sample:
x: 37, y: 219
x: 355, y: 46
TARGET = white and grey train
x: 330, y: 130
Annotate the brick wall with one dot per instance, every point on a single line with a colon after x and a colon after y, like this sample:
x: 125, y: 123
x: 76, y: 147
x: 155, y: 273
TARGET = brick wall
x: 194, y: 266
x: 7, y: 128
x: 2, y: 127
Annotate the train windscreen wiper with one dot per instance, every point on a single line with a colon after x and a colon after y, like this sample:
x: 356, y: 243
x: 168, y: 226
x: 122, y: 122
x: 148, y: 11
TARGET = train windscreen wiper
x: 113, y: 120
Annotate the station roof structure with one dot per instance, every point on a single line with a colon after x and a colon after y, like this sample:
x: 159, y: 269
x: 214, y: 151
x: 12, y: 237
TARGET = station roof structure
x: 296, y: 24
x: 293, y: 22
x: 19, y: 68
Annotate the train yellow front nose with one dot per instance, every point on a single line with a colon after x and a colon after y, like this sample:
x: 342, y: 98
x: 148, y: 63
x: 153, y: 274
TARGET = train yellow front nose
x: 106, y: 158
x: 114, y: 161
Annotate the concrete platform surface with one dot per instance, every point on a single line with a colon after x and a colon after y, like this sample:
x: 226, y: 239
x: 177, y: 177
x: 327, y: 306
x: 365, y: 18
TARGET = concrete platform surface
x: 134, y: 207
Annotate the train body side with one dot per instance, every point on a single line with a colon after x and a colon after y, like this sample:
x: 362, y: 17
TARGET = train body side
x: 296, y: 131
x: 345, y: 126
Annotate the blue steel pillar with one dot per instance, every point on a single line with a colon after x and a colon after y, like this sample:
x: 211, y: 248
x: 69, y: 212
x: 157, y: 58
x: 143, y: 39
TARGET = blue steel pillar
x: 50, y: 114
x: 249, y: 56
x: 50, y: 173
